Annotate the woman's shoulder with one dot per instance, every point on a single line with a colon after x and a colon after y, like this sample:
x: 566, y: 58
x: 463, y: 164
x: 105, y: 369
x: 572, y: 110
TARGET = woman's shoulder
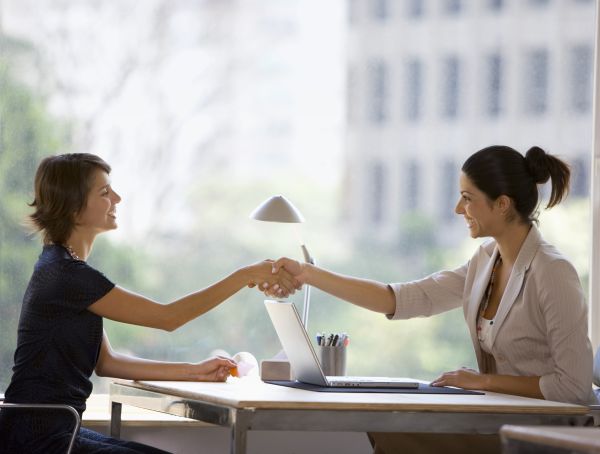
x: 56, y: 261
x: 548, y: 257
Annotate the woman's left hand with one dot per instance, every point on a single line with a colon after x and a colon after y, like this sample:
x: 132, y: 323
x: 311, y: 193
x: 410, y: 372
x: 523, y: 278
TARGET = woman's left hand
x: 463, y: 378
x: 217, y: 368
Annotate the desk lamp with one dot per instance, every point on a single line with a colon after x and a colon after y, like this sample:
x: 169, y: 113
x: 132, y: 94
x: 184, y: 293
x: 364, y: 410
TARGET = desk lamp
x: 280, y: 209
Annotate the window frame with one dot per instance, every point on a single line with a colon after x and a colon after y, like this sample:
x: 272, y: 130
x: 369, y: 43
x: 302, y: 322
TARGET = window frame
x: 594, y: 290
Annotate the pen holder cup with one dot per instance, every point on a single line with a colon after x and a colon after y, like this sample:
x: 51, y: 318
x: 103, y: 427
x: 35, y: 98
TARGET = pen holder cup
x: 333, y: 360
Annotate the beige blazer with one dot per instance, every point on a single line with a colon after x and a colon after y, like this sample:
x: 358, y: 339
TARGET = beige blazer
x: 540, y: 328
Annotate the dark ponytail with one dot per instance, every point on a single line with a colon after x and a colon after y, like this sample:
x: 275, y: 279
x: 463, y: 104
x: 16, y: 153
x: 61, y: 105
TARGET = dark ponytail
x: 543, y: 166
x: 500, y: 170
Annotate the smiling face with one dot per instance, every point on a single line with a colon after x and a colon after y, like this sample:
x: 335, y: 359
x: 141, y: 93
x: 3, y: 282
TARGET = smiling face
x: 484, y: 217
x: 100, y: 212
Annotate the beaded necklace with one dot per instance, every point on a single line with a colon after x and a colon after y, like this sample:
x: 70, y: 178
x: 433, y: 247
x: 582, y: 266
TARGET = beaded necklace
x: 72, y: 253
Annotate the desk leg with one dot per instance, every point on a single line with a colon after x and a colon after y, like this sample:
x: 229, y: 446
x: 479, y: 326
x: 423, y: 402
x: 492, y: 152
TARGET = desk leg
x: 115, y: 419
x: 239, y: 432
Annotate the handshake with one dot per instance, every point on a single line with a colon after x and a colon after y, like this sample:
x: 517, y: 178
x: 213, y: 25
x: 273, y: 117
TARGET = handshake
x: 277, y: 279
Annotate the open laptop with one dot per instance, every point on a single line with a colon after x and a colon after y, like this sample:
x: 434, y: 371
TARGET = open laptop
x: 302, y: 356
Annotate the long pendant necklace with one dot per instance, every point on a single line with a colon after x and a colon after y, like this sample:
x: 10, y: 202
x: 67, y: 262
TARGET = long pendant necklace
x: 487, y: 295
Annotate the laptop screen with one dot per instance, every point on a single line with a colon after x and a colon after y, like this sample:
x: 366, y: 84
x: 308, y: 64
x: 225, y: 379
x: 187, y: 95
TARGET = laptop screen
x: 295, y: 342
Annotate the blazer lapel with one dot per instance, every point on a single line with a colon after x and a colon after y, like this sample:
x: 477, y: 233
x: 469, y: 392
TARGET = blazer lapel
x: 485, y: 262
x: 516, y: 279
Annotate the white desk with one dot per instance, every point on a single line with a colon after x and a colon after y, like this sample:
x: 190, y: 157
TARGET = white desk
x: 249, y: 404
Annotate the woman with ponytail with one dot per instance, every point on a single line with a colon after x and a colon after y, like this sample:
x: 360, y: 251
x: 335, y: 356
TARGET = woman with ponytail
x: 522, y: 300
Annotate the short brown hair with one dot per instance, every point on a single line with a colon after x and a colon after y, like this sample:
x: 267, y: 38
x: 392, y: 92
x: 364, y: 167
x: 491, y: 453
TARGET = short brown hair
x: 62, y: 185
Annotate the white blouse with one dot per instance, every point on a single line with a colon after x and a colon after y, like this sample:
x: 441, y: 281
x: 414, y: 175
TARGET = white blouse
x: 485, y: 334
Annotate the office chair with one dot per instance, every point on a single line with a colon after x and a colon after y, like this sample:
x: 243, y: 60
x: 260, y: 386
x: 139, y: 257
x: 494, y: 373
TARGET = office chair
x: 49, y: 407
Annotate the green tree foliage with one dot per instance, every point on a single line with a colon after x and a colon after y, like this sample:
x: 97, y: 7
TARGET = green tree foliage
x: 26, y: 134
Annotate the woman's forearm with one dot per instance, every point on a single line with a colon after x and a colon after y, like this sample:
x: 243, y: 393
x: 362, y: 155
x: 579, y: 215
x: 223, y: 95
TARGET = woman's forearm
x: 128, y: 367
x: 128, y: 307
x: 511, y: 384
x: 182, y: 310
x: 372, y: 295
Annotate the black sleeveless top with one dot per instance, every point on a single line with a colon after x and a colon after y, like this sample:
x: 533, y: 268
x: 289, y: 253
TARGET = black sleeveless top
x: 58, y: 338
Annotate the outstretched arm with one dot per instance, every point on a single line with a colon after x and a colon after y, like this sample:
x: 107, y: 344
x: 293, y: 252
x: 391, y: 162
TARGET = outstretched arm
x: 373, y: 295
x: 117, y: 365
x: 124, y: 306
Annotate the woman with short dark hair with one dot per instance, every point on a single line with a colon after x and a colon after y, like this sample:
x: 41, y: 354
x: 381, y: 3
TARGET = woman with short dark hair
x: 61, y: 341
x: 522, y: 300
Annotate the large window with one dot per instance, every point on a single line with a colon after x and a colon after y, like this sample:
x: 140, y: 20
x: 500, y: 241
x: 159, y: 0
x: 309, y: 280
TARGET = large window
x: 359, y: 111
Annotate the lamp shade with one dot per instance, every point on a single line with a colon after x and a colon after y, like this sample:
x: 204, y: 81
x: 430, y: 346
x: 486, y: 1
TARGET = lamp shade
x: 277, y: 209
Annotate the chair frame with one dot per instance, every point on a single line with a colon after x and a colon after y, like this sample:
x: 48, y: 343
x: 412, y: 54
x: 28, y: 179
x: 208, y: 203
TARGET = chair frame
x: 68, y: 408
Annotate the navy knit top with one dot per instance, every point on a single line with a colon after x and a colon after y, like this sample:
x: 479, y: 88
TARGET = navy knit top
x: 58, y: 338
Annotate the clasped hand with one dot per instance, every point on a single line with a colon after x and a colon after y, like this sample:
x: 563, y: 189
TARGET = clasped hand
x: 273, y: 282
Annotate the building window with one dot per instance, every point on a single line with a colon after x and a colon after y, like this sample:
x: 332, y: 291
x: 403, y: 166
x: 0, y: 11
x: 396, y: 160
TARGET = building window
x: 580, y: 67
x: 415, y: 8
x: 378, y: 92
x: 380, y: 9
x: 448, y: 188
x: 452, y: 6
x: 495, y: 5
x: 412, y: 177
x: 450, y: 87
x: 536, y: 82
x: 580, y: 177
x: 493, y: 85
x: 377, y: 184
x: 414, y: 89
